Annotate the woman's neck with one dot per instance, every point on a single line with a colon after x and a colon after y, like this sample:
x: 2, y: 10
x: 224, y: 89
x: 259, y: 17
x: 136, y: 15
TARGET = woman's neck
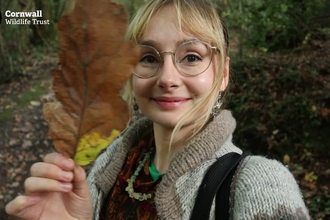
x: 165, y: 149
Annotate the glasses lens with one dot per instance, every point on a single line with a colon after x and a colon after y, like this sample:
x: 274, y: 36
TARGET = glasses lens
x: 193, y: 58
x: 149, y: 62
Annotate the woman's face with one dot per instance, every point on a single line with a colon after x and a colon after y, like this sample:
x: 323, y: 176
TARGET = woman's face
x: 164, y: 97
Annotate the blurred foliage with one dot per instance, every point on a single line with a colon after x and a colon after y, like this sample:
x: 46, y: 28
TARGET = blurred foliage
x: 321, y: 206
x: 281, y: 107
x: 275, y: 25
x: 18, y: 41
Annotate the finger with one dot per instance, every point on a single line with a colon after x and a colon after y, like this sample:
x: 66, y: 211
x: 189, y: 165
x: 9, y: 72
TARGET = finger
x: 34, y: 185
x: 17, y: 206
x: 80, y: 186
x: 50, y: 171
x: 59, y: 160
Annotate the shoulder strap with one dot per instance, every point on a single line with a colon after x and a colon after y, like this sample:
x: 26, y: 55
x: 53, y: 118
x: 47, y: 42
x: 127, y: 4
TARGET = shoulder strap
x: 222, y: 199
x: 217, y: 174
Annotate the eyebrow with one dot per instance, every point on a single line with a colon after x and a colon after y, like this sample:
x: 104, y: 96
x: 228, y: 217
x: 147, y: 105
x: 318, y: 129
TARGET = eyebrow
x: 156, y: 44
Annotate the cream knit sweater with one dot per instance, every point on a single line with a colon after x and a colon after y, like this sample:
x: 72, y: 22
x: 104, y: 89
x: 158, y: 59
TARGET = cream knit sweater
x: 261, y: 189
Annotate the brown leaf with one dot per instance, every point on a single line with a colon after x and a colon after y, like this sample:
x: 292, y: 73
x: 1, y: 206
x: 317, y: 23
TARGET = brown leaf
x: 95, y: 61
x: 63, y: 128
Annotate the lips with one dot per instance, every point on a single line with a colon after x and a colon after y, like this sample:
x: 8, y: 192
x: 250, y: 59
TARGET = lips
x: 169, y: 103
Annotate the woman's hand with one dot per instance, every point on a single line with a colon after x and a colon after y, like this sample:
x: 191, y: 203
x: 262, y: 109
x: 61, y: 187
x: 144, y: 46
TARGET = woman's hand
x: 57, y: 189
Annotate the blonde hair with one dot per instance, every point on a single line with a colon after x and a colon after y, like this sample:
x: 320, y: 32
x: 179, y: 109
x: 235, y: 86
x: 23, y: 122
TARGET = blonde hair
x: 197, y: 17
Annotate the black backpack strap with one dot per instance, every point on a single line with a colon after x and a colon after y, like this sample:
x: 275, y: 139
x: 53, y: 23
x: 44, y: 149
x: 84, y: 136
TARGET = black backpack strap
x: 217, y: 179
x: 223, y: 194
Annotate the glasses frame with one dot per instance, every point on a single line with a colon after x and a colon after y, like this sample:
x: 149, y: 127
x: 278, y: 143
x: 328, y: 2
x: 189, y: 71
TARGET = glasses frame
x: 159, y: 54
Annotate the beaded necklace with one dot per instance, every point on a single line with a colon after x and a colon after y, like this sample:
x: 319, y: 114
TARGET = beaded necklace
x: 131, y: 180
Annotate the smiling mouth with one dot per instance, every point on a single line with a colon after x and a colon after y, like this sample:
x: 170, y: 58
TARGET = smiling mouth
x: 170, y: 104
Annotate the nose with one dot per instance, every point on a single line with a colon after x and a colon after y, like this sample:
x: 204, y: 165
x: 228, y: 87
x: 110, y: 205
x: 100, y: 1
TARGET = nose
x: 168, y: 77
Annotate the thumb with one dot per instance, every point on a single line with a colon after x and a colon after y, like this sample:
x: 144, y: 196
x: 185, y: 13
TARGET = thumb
x: 80, y: 186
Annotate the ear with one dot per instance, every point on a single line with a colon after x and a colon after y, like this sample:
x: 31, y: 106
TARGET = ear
x: 225, y: 79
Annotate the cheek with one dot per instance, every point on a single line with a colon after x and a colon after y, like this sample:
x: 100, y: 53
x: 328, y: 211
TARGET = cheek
x: 201, y: 84
x: 141, y: 87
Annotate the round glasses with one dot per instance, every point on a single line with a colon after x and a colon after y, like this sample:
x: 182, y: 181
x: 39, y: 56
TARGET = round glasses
x: 191, y: 58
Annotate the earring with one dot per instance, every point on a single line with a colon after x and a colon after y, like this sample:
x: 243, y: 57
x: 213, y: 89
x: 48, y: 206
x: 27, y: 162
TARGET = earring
x: 216, y: 108
x: 135, y: 109
x: 135, y: 112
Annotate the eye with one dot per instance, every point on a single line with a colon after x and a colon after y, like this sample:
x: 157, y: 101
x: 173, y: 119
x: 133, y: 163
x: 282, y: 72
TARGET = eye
x: 190, y: 59
x: 149, y: 59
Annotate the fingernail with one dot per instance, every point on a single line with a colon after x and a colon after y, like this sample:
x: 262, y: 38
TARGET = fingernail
x: 66, y: 186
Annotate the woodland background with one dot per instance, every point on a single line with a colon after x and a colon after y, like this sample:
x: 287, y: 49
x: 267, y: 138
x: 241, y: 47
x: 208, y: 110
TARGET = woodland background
x: 280, y: 89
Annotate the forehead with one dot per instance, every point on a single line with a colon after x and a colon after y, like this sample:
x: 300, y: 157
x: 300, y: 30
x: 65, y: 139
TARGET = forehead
x: 164, y: 27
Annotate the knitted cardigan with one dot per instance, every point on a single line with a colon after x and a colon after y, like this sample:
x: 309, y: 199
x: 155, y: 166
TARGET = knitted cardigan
x: 261, y: 189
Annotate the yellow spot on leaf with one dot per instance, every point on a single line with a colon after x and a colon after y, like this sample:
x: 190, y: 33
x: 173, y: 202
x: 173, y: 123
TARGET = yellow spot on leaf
x: 91, y: 145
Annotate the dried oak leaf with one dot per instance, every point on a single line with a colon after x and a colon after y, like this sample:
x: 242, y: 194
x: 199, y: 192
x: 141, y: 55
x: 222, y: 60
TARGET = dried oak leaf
x: 95, y: 61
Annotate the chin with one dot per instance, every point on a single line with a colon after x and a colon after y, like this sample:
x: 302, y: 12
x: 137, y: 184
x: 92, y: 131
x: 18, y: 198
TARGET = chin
x: 168, y: 120
x: 164, y: 119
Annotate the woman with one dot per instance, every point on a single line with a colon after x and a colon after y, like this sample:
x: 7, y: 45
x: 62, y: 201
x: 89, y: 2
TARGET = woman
x: 155, y: 168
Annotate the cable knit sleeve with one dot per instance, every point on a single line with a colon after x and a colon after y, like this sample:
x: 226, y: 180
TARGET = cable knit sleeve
x: 265, y: 189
